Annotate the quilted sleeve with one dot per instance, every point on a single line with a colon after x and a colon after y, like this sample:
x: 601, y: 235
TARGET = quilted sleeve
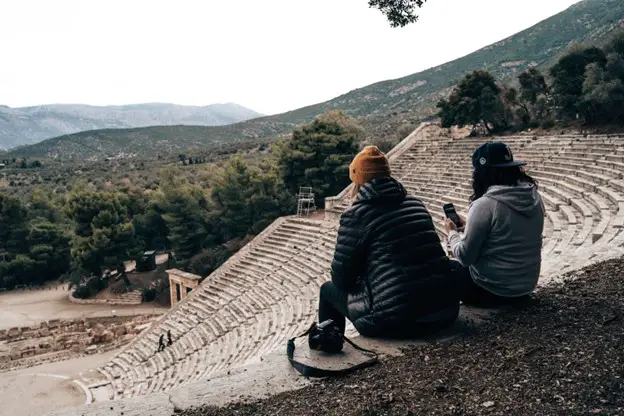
x: 349, y: 258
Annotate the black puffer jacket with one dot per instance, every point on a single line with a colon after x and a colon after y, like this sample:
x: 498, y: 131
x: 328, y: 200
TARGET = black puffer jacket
x: 390, y: 260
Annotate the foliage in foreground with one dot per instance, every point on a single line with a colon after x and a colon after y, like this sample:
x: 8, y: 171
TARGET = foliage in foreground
x: 399, y: 13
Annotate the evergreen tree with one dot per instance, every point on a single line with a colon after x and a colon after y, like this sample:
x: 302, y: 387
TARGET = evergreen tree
x: 569, y: 76
x: 13, y: 227
x: 48, y: 249
x: 603, y: 96
x: 184, y: 212
x: 150, y: 229
x: 399, y: 13
x: 104, y: 235
x: 247, y: 199
x: 476, y: 101
x: 534, y: 93
x: 14, y: 264
x: 319, y: 154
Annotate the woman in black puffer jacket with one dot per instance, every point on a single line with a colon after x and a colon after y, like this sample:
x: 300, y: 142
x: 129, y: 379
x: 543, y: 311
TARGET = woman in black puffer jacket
x: 390, y: 275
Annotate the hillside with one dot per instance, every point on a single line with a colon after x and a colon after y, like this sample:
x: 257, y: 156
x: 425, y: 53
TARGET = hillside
x: 383, y: 106
x: 29, y: 125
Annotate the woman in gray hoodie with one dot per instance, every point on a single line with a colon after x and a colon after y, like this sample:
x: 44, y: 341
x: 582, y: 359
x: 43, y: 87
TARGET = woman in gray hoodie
x: 498, y: 246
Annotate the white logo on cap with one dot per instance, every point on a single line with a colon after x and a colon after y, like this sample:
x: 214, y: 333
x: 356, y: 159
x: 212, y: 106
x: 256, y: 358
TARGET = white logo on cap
x: 482, y: 161
x: 508, y: 154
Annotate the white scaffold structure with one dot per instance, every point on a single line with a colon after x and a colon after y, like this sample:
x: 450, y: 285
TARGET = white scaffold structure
x: 305, y: 201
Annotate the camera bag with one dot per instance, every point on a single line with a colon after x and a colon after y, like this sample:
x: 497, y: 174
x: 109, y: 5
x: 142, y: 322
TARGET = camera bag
x: 310, y: 371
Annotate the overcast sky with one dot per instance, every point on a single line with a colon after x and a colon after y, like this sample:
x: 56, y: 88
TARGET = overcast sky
x: 268, y: 55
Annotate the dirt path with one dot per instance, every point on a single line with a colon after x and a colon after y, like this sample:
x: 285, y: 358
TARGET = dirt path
x: 37, y: 390
x: 561, y: 355
x: 28, y: 307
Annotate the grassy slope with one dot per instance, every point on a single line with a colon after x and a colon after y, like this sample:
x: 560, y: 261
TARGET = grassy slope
x: 382, y: 106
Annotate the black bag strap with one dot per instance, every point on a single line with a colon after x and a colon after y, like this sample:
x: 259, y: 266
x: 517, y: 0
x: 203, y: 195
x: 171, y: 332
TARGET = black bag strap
x: 309, y: 371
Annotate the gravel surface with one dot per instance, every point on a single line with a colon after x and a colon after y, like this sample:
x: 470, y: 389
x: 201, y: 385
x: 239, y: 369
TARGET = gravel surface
x: 563, y: 354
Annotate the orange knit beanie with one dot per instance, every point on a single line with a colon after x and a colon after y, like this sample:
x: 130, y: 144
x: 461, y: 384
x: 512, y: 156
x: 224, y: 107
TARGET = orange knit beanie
x: 367, y: 165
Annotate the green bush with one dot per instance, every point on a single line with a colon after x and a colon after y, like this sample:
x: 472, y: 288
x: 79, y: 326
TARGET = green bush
x: 148, y: 294
x: 82, y: 292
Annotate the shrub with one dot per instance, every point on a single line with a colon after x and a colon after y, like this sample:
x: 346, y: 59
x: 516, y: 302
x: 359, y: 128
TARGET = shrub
x: 548, y: 124
x: 118, y: 287
x: 82, y: 292
x: 148, y: 294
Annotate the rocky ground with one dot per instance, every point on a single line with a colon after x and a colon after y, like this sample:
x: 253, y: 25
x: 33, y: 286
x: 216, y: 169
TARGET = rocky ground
x: 561, y: 355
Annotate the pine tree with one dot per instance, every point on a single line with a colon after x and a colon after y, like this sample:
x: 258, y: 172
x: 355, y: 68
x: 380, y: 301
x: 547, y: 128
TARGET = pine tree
x: 183, y: 208
x: 247, y: 199
x: 319, y: 154
x: 476, y: 101
x: 104, y: 235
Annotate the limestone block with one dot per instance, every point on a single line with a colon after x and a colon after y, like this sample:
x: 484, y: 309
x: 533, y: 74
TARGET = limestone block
x: 45, y: 345
x: 43, y: 325
x: 119, y: 331
x: 28, y: 352
x: 70, y: 344
x: 63, y: 338
x: 44, y: 332
x: 16, y: 355
x: 3, y: 335
x: 13, y: 332
x: 91, y: 349
x: 65, y: 322
x: 5, y: 357
x: 107, y: 336
x: 29, y: 334
x: 53, y: 323
x: 98, y: 329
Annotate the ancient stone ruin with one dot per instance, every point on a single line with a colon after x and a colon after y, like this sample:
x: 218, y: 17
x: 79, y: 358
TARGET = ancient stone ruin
x: 268, y: 291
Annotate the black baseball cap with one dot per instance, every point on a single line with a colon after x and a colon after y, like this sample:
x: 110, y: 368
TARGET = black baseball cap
x: 494, y: 155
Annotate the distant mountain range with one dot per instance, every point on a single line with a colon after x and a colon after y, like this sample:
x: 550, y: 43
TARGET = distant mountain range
x: 381, y: 107
x: 30, y: 125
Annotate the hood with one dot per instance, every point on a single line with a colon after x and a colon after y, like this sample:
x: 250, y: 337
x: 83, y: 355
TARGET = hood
x: 384, y: 190
x: 522, y: 198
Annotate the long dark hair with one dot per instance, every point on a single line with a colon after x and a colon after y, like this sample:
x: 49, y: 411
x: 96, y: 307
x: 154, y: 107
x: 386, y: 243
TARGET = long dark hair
x: 483, y: 178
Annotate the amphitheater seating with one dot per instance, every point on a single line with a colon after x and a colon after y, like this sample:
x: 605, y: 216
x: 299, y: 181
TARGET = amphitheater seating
x: 580, y: 180
x: 250, y: 306
x: 268, y: 291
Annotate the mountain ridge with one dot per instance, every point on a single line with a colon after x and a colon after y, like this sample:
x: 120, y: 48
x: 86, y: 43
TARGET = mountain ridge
x: 32, y: 124
x: 385, y: 105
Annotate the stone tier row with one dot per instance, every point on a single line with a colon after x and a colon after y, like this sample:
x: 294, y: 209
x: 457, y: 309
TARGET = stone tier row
x: 244, y: 310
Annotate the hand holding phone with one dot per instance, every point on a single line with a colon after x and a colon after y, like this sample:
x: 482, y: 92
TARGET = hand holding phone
x: 451, y: 214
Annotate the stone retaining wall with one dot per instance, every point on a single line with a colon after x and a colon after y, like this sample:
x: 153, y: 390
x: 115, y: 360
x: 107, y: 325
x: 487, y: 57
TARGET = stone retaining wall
x: 89, y: 335
x: 133, y: 298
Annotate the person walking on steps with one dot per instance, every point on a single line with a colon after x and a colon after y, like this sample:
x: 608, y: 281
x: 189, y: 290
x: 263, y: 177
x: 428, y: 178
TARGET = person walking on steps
x: 169, y: 340
x: 498, y: 246
x: 390, y: 275
x: 161, y: 343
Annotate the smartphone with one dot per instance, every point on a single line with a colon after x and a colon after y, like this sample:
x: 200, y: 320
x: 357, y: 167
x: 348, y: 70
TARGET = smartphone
x: 451, y: 213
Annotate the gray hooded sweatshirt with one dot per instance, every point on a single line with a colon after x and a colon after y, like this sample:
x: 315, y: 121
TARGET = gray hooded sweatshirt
x: 502, y: 242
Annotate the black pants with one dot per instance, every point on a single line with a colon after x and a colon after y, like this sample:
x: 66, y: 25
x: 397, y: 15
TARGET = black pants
x: 472, y: 294
x: 333, y: 304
